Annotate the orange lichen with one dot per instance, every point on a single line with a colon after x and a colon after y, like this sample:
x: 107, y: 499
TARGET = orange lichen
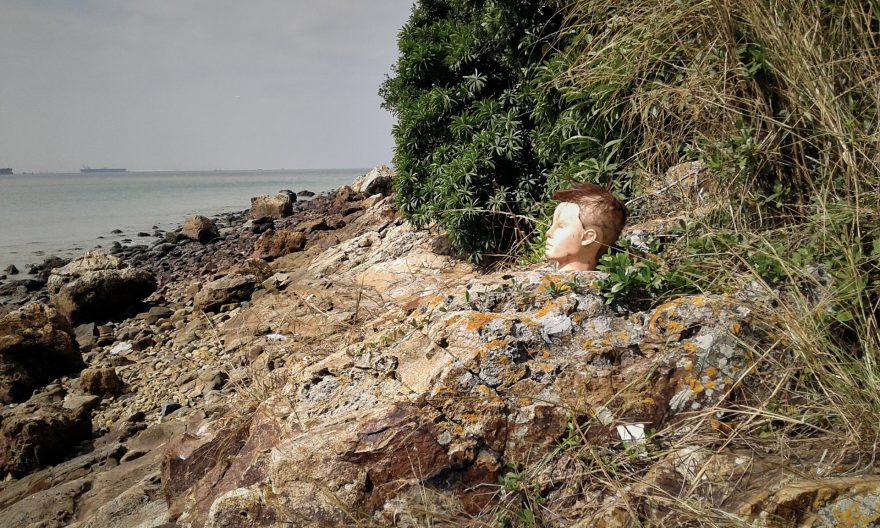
x: 709, y: 384
x: 674, y: 327
x: 735, y: 328
x: 689, y: 347
x: 497, y: 344
x: 479, y: 320
x: 699, y: 302
x: 548, y: 307
x: 711, y: 371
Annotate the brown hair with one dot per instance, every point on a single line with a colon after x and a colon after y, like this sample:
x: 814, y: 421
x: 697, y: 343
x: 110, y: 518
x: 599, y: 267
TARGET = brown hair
x: 598, y: 207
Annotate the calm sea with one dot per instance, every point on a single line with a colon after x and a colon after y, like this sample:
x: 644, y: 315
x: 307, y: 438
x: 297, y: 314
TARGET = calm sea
x: 64, y: 214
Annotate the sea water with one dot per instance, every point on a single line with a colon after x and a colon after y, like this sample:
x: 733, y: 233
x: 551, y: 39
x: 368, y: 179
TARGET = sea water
x: 67, y: 214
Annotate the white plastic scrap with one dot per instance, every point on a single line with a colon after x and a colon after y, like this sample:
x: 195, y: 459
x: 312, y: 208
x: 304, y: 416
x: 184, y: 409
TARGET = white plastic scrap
x: 119, y: 348
x: 275, y: 338
x: 631, y: 434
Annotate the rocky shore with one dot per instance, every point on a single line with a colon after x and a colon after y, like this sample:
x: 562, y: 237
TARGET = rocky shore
x: 323, y: 363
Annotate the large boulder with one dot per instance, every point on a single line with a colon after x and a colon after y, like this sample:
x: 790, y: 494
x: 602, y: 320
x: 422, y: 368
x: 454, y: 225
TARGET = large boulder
x: 36, y: 346
x: 272, y: 207
x: 97, y: 287
x: 44, y: 431
x: 199, y: 228
x: 230, y: 289
x: 377, y: 181
x: 274, y: 244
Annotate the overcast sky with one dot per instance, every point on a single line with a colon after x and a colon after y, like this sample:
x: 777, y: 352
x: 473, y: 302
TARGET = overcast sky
x: 195, y: 84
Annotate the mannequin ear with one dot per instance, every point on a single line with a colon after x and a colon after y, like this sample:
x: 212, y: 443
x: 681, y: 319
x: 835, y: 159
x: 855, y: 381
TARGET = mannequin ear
x: 589, y: 237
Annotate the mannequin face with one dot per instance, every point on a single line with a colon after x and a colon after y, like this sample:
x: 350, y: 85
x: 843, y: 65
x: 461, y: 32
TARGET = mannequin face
x: 568, y: 242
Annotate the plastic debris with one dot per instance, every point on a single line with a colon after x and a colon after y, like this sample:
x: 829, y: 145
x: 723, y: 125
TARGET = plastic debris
x: 119, y: 348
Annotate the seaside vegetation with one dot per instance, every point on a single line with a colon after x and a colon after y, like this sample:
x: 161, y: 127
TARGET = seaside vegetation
x: 500, y: 103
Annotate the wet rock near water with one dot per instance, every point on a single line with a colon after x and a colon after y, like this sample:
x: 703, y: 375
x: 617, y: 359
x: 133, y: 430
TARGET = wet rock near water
x: 43, y: 270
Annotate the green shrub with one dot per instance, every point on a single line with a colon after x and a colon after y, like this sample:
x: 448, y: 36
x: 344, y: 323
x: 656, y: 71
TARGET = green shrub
x: 463, y: 94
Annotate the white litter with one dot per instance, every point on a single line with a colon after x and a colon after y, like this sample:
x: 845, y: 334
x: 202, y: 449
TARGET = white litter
x: 119, y: 348
x: 275, y: 338
x: 631, y: 434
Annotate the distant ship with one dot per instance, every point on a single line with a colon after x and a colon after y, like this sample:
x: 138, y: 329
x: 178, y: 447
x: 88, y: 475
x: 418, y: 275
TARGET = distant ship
x: 88, y: 169
x: 5, y: 170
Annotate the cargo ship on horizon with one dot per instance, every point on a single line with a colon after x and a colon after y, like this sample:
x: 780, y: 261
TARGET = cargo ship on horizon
x: 5, y: 170
x: 89, y: 169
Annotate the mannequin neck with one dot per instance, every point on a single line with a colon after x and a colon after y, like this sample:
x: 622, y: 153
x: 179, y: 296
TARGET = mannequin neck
x: 579, y: 263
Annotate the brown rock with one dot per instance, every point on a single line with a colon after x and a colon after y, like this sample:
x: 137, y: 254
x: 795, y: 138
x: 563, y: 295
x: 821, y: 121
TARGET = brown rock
x: 86, y: 336
x: 100, y: 381
x: 274, y: 244
x: 335, y: 221
x: 36, y: 346
x: 42, y: 432
x: 318, y: 224
x: 199, y: 228
x: 229, y: 289
x: 273, y: 207
x: 344, y: 195
x: 97, y: 286
x: 256, y: 267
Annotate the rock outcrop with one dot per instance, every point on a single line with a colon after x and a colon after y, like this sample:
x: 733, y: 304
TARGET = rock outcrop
x: 471, y: 382
x: 200, y: 229
x: 36, y: 346
x: 98, y: 287
x: 272, y: 207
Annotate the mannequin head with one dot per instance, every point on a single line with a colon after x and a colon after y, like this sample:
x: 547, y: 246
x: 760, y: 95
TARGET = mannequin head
x: 586, y: 223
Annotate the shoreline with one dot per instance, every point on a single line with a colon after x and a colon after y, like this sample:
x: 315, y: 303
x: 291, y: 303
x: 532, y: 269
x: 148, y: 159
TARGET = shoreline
x: 64, y: 215
x: 133, y: 248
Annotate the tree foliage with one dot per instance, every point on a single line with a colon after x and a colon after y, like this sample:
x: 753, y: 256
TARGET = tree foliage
x: 463, y: 91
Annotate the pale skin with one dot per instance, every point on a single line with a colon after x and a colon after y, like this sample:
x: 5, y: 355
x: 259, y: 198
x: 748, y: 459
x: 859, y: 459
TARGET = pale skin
x: 572, y: 245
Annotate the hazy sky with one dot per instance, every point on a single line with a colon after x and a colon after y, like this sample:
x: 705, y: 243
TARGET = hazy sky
x: 195, y: 84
